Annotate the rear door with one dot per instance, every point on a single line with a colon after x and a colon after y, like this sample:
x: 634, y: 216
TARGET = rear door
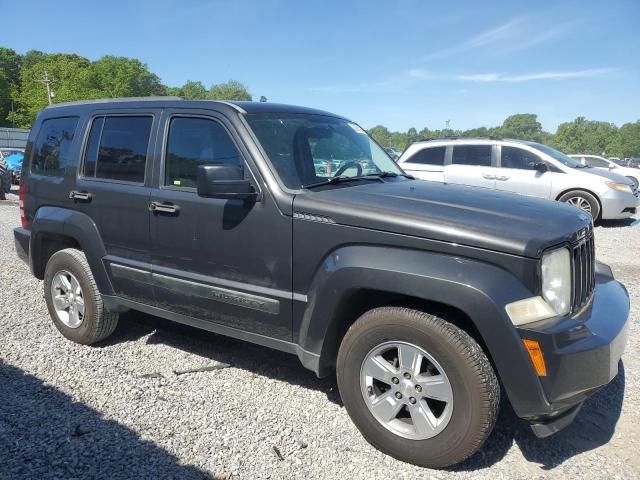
x: 113, y: 188
x: 427, y: 163
x: 471, y: 165
x: 516, y: 173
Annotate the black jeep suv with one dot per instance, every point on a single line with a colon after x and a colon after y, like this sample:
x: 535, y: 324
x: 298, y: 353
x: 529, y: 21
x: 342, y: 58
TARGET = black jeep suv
x: 291, y: 228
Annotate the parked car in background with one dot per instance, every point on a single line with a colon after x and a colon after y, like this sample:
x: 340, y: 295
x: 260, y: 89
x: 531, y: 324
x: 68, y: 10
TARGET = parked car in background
x: 14, y: 163
x: 425, y: 299
x: 523, y: 167
x: 5, y: 178
x: 393, y: 152
x: 597, y: 161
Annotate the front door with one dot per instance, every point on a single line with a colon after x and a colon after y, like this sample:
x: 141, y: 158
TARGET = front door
x: 517, y: 173
x: 223, y: 261
x: 471, y: 165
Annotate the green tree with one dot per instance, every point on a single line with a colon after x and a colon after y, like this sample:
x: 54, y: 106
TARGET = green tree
x: 524, y: 126
x: 70, y: 77
x: 381, y: 135
x: 9, y: 80
x: 630, y: 139
x: 231, y: 90
x: 194, y: 91
x: 587, y: 136
x: 123, y: 77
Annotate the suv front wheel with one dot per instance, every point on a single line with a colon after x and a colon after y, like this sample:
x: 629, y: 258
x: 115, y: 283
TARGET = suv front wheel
x: 73, y: 299
x: 417, y: 387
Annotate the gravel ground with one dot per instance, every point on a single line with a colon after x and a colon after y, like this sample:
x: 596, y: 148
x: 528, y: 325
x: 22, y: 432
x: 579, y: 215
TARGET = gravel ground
x: 119, y: 409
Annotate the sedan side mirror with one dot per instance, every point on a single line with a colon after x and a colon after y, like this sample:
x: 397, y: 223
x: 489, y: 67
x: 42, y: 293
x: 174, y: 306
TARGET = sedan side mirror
x: 541, y: 167
x: 224, y: 181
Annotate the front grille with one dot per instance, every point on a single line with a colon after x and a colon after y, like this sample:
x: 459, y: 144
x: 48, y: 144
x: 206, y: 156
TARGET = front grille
x: 635, y: 190
x: 583, y: 265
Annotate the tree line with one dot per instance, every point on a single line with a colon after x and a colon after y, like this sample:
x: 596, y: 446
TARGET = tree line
x: 23, y: 94
x: 578, y: 136
x: 23, y: 79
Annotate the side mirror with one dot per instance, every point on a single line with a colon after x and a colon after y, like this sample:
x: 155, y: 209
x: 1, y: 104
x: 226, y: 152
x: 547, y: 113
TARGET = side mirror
x: 611, y: 166
x: 541, y: 167
x: 224, y: 181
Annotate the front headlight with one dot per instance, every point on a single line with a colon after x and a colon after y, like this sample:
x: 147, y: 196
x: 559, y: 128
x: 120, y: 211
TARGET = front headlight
x: 556, y: 280
x: 620, y: 187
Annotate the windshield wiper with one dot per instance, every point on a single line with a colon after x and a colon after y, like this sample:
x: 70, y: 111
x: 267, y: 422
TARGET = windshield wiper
x: 391, y: 175
x: 340, y: 179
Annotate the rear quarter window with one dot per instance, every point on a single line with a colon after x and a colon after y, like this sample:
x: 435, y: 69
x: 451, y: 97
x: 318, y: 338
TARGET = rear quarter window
x: 52, y: 149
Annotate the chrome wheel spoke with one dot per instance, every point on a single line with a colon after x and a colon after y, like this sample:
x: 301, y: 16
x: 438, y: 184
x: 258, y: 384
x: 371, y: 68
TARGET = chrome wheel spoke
x: 386, y: 406
x: 424, y: 422
x: 410, y: 358
x: 61, y: 302
x: 80, y: 305
x: 436, y: 387
x: 378, y: 368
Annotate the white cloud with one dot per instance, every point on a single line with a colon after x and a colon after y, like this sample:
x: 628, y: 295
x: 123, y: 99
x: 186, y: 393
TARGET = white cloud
x: 498, y: 77
x: 516, y: 34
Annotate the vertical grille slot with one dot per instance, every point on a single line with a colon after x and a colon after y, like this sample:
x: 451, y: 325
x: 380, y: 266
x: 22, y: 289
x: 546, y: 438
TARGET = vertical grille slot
x: 583, y: 268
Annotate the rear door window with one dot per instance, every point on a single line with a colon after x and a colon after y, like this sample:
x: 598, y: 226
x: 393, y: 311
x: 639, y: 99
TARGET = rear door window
x: 117, y: 148
x: 477, y: 155
x: 52, y: 150
x: 429, y: 156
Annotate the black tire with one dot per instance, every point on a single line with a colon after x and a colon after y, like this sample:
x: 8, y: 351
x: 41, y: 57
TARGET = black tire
x: 97, y: 323
x: 586, y: 196
x: 476, y: 392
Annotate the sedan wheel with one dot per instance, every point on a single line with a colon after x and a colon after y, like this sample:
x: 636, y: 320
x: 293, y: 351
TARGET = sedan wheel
x: 580, y: 202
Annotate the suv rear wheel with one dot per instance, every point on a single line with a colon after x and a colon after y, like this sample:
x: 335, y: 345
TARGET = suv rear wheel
x: 73, y: 299
x: 417, y: 387
x: 584, y: 201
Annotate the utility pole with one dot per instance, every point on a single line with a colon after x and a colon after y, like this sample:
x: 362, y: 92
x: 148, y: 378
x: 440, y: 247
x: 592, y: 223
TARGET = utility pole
x: 47, y: 81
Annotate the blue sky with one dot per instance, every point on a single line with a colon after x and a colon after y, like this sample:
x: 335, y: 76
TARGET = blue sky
x: 404, y: 63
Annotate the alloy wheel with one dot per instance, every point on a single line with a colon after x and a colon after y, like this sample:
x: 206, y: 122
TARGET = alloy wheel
x: 68, y: 299
x: 406, y: 390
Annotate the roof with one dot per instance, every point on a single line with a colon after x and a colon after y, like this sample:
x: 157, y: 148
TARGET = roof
x: 177, y: 102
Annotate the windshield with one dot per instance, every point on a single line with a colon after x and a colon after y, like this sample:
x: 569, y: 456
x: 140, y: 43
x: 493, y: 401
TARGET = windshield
x: 307, y: 149
x: 559, y: 156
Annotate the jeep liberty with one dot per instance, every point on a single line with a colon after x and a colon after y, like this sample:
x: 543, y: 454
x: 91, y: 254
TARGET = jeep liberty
x: 291, y: 228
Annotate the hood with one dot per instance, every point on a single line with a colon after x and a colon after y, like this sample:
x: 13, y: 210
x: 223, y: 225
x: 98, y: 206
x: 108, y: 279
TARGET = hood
x: 473, y: 216
x: 606, y: 173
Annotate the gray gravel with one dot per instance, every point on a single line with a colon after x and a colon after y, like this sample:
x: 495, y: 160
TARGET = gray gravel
x: 120, y: 409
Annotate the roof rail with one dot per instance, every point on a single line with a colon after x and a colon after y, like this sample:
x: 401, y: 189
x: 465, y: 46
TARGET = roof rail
x: 457, y: 137
x: 113, y: 100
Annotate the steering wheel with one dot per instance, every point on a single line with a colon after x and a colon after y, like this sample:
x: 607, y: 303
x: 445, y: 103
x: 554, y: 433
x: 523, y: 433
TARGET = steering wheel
x: 348, y: 165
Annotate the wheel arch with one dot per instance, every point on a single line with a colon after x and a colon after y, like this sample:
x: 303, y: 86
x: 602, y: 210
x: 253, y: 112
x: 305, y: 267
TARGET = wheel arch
x: 590, y: 192
x: 54, y: 229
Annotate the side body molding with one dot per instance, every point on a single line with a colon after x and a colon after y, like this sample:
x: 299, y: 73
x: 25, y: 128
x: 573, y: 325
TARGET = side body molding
x: 64, y: 222
x: 478, y: 289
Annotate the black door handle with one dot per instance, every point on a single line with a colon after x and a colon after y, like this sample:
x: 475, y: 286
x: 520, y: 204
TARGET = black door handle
x: 160, y: 207
x: 81, y: 196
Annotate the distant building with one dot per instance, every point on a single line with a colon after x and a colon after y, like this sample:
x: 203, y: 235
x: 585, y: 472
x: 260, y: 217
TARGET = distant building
x: 13, y: 137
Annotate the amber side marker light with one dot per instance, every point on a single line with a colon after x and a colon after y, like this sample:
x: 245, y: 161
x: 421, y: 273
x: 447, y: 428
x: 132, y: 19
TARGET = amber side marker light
x: 535, y: 354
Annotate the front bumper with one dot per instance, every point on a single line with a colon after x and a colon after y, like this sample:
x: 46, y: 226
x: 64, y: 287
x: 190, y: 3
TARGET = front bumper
x: 618, y: 205
x: 581, y: 353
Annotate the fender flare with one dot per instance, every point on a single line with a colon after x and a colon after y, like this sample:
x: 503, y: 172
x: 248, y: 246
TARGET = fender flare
x: 478, y: 289
x: 63, y: 222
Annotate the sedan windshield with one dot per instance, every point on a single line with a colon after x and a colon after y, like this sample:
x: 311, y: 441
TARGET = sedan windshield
x: 559, y: 156
x: 307, y: 150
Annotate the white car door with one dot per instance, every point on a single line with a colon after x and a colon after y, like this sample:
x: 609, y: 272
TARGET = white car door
x: 471, y: 165
x: 517, y: 173
x: 426, y: 164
